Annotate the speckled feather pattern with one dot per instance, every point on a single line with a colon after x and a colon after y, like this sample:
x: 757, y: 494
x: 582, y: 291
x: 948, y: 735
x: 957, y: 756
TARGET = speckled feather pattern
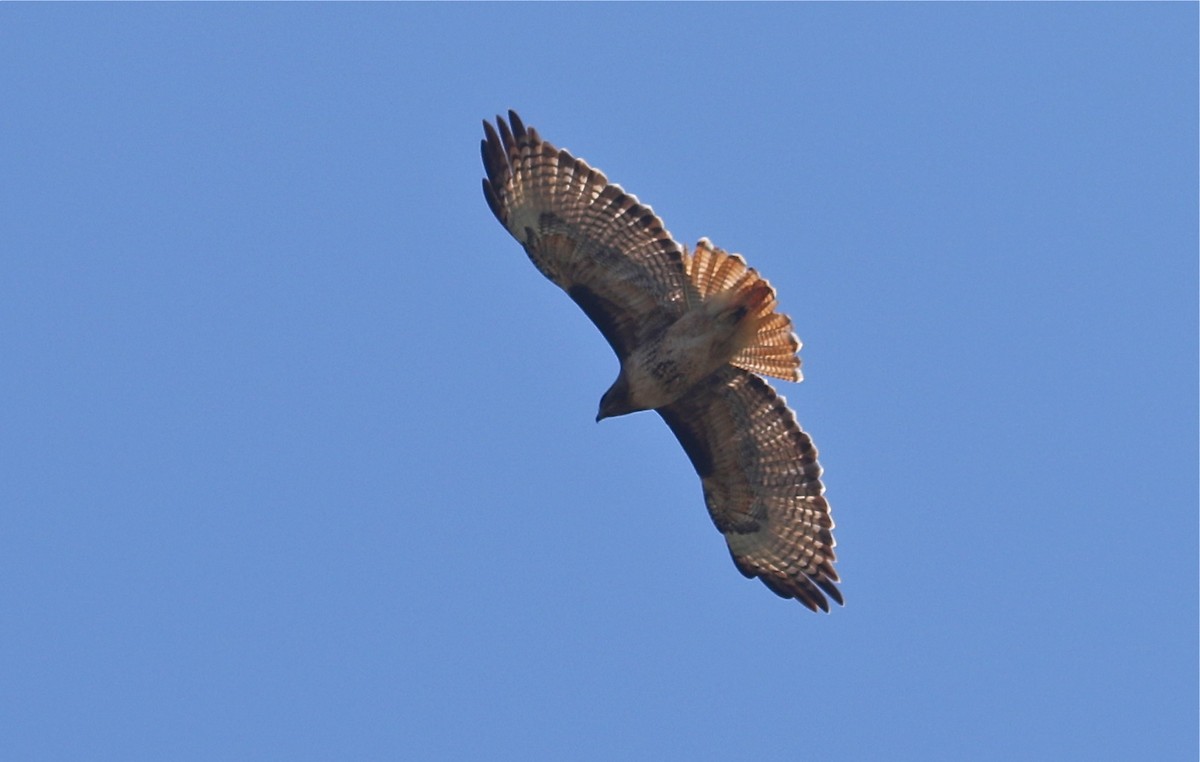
x: 613, y: 256
x: 762, y: 483
x: 585, y: 234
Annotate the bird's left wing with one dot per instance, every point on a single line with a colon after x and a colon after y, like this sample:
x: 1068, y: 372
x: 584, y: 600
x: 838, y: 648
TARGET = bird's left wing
x: 762, y: 483
x: 609, y: 252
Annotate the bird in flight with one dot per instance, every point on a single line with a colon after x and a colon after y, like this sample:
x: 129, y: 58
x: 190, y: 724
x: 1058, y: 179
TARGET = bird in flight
x: 694, y: 333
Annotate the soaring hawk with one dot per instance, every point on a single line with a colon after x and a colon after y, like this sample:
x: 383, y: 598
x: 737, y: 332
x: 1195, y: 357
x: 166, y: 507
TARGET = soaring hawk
x: 693, y: 331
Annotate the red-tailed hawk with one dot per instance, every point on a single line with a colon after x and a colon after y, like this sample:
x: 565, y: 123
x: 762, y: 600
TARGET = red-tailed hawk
x: 691, y: 330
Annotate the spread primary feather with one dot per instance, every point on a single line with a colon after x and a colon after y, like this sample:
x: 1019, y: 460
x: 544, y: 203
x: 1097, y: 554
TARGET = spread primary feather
x: 693, y: 332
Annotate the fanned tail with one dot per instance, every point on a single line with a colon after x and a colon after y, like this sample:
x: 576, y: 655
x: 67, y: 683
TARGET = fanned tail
x: 768, y: 346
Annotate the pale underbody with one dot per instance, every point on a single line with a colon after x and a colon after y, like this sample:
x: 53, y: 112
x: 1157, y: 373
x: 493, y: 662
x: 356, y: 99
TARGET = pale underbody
x: 663, y: 369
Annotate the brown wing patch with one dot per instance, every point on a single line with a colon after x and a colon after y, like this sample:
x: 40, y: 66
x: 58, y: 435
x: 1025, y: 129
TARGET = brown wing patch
x: 597, y: 242
x: 762, y: 483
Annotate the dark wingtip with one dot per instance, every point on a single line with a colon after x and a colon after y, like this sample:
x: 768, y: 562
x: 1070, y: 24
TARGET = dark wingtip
x: 492, y: 201
x: 812, y: 603
x: 830, y: 589
x: 506, y: 135
x: 518, y: 127
x: 804, y: 588
x: 495, y: 163
x: 483, y: 151
x: 490, y: 145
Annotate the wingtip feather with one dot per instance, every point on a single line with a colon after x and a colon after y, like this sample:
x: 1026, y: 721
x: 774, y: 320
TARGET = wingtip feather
x: 518, y: 126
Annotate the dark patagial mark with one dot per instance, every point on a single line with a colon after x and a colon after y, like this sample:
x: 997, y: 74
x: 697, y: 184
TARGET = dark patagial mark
x: 601, y: 312
x: 693, y: 444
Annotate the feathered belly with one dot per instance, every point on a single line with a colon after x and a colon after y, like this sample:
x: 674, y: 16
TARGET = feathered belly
x: 688, y: 352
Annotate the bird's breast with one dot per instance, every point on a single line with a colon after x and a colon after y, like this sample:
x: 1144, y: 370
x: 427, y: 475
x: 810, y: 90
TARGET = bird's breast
x: 665, y: 368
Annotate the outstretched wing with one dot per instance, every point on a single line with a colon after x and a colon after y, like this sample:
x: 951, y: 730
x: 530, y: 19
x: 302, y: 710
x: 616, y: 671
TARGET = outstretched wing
x: 610, y: 253
x: 762, y: 483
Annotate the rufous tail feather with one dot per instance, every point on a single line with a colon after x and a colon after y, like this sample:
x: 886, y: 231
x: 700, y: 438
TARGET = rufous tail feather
x: 768, y: 345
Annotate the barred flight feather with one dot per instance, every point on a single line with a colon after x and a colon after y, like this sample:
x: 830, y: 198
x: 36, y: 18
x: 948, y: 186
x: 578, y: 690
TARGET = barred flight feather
x: 615, y: 259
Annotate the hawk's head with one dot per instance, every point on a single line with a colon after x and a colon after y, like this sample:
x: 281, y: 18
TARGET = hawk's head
x: 616, y: 400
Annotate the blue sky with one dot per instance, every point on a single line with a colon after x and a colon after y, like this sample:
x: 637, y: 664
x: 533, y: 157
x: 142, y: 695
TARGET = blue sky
x: 299, y: 459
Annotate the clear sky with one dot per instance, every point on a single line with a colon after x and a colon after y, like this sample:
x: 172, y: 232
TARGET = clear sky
x: 298, y: 451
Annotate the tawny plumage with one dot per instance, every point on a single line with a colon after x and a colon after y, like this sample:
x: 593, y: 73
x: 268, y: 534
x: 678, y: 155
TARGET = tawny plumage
x: 691, y: 330
x: 772, y: 350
